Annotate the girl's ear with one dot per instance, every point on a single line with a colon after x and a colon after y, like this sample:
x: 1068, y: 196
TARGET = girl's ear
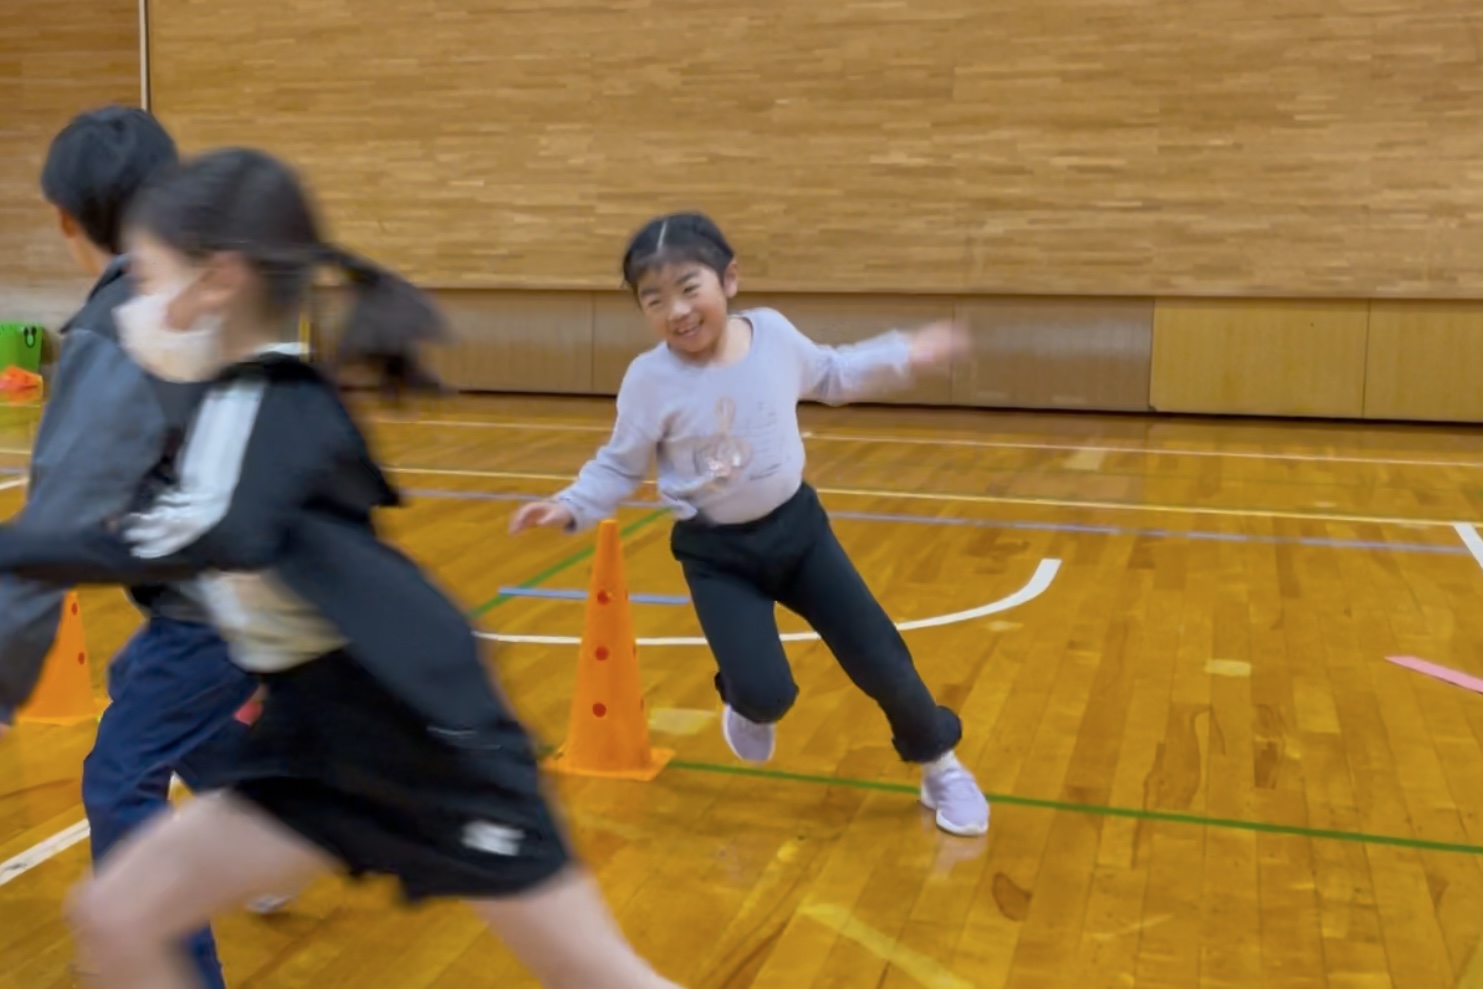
x: 222, y: 280
x: 729, y: 280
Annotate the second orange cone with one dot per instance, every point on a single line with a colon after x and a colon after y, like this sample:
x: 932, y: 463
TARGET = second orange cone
x: 609, y: 730
x: 64, y: 695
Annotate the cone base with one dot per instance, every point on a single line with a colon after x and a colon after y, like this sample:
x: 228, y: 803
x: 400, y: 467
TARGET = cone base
x: 658, y: 759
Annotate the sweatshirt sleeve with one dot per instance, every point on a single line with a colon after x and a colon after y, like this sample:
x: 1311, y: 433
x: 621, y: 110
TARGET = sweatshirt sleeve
x: 848, y: 373
x: 263, y: 461
x: 622, y: 463
x: 101, y: 432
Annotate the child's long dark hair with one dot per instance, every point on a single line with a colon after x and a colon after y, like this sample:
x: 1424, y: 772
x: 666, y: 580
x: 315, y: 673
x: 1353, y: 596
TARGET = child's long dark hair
x: 676, y: 239
x: 248, y: 202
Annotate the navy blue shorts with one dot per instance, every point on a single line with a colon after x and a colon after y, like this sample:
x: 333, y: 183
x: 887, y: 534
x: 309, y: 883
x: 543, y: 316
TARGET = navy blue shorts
x: 352, y: 768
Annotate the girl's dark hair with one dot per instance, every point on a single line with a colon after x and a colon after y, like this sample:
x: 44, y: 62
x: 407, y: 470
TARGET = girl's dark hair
x: 249, y: 203
x: 676, y: 238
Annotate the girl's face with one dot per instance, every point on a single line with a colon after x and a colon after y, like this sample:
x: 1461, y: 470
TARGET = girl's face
x: 196, y: 291
x: 687, y: 304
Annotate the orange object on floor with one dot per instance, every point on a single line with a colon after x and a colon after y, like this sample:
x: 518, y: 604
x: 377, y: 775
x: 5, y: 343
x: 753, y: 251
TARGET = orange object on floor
x: 64, y: 696
x: 18, y: 379
x: 609, y: 730
x: 19, y: 386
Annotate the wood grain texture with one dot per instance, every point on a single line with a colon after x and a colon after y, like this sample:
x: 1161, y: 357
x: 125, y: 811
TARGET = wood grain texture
x: 1189, y: 685
x: 1291, y: 358
x: 1406, y: 361
x: 57, y: 58
x: 1064, y: 353
x: 1425, y: 362
x: 1309, y: 148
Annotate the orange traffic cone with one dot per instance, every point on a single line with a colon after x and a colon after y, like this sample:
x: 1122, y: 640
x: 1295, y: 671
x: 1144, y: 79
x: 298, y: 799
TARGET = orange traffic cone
x: 64, y: 696
x: 609, y: 730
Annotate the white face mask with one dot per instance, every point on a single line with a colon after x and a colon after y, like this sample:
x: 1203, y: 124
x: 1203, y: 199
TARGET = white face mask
x: 174, y: 355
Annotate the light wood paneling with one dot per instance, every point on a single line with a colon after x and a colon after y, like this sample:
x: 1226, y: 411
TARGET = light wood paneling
x: 1234, y: 356
x: 57, y: 58
x: 619, y: 334
x: 1425, y: 362
x: 1259, y: 358
x: 1056, y: 353
x: 504, y: 341
x: 1172, y: 147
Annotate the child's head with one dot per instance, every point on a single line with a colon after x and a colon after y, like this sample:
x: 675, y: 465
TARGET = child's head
x: 93, y: 170
x: 683, y: 274
x: 225, y: 249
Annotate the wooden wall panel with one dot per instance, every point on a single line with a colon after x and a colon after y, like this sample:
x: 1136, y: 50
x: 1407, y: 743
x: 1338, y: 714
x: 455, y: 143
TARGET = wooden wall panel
x: 505, y: 341
x: 619, y: 334
x: 57, y: 58
x: 1057, y: 354
x: 1403, y: 361
x: 1312, y: 148
x: 1425, y: 362
x: 1292, y: 358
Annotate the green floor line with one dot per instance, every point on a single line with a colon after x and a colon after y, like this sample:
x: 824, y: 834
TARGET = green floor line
x: 566, y: 563
x: 1172, y: 817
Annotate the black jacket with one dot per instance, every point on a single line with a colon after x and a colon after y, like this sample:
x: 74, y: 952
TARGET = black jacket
x: 302, y: 509
x: 108, y: 427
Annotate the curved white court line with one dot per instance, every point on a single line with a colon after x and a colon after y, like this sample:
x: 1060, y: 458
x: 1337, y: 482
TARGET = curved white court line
x: 1039, y: 581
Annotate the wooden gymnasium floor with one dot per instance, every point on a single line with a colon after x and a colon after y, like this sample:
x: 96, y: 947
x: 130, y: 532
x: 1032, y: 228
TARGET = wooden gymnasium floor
x: 1205, y: 771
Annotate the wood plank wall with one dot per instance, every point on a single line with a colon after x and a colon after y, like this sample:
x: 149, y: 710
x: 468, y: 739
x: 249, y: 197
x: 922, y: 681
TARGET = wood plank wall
x: 1096, y: 276
x: 57, y: 57
x: 1283, y: 358
x: 1277, y: 148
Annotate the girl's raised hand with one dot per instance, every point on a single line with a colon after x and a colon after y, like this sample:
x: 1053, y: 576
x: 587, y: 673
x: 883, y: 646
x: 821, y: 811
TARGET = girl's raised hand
x: 939, y: 344
x: 548, y: 514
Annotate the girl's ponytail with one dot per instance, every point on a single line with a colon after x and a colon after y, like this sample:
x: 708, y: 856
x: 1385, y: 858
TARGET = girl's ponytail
x: 389, y: 318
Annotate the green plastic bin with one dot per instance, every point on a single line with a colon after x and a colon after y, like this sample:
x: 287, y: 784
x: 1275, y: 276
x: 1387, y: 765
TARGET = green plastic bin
x: 20, y: 346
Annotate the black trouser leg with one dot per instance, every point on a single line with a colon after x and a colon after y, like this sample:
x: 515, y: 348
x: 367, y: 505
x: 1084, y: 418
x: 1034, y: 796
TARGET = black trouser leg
x: 828, y: 592
x: 741, y: 627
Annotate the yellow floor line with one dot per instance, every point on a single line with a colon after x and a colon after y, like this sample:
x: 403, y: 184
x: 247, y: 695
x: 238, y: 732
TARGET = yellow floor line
x: 926, y: 971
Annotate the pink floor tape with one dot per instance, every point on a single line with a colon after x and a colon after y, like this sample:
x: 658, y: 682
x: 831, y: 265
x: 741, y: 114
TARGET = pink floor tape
x: 1453, y: 677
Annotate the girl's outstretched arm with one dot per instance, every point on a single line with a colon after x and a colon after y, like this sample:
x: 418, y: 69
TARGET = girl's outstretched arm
x: 874, y: 367
x: 257, y: 455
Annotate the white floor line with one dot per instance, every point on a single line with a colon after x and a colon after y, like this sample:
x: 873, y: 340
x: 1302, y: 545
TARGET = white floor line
x: 1471, y: 540
x: 949, y: 497
x: 14, y: 482
x: 1157, y: 451
x: 1039, y: 581
x: 37, y: 854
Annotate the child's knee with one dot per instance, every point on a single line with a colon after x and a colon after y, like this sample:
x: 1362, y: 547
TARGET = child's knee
x: 762, y: 702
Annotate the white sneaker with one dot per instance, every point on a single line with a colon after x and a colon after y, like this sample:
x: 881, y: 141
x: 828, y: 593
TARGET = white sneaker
x: 748, y: 741
x: 951, y: 791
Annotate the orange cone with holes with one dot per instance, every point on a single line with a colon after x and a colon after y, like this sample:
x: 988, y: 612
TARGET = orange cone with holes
x: 64, y: 696
x: 609, y: 730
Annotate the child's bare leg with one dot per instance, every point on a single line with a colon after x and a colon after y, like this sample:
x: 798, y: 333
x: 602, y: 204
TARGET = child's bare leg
x: 564, y: 933
x: 172, y: 877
